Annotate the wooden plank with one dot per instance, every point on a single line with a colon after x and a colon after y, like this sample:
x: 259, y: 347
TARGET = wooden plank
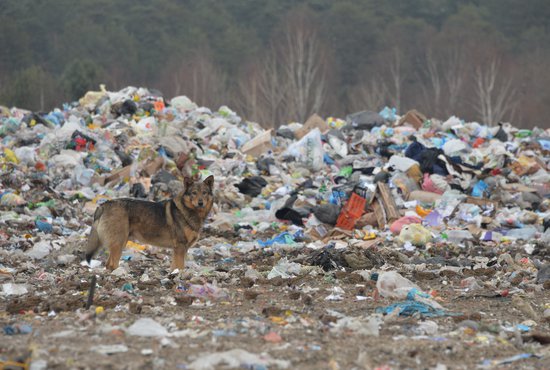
x: 150, y: 169
x: 119, y: 174
x: 392, y: 212
x: 379, y: 213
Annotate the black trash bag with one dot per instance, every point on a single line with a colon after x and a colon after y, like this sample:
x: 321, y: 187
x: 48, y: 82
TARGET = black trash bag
x: 163, y: 177
x: 365, y: 170
x: 127, y: 107
x: 327, y: 213
x: 501, y: 134
x: 124, y: 158
x: 138, y: 191
x: 252, y: 186
x: 382, y: 148
x: 308, y: 184
x: 382, y: 177
x: 290, y: 214
x: 364, y: 120
x: 429, y: 162
x: 286, y: 212
x: 286, y: 133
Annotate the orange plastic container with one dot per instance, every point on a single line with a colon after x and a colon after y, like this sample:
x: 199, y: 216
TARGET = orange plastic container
x: 352, y: 211
x: 355, y: 206
x: 345, y: 221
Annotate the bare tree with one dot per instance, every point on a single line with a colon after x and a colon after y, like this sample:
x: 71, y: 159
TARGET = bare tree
x: 442, y: 79
x: 432, y: 87
x: 262, y: 90
x: 495, y: 97
x: 369, y: 95
x: 304, y: 62
x: 290, y: 82
x: 454, y: 75
x: 272, y: 87
x: 247, y: 100
x: 197, y: 77
x: 396, y: 77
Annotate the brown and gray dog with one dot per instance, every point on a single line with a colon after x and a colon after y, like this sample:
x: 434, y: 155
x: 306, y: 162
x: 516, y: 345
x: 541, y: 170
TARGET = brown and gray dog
x: 175, y: 223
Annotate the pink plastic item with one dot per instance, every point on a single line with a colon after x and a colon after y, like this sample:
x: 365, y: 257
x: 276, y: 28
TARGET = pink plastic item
x: 403, y: 221
x: 428, y: 185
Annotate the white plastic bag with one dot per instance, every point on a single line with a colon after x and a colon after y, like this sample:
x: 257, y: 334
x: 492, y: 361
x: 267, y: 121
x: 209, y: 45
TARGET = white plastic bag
x: 309, y: 150
x: 284, y: 269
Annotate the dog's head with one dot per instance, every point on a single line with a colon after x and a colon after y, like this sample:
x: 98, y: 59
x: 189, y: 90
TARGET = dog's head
x: 199, y: 195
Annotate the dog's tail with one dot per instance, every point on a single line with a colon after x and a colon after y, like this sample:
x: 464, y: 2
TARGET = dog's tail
x: 93, y: 240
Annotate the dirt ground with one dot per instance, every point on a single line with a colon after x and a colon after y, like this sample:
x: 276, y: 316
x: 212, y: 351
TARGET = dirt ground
x: 288, y: 322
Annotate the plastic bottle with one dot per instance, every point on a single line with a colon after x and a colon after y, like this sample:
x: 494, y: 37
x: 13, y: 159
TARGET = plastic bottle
x: 523, y: 133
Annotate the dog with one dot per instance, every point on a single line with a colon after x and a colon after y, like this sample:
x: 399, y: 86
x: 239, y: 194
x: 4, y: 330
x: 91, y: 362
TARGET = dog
x: 174, y: 223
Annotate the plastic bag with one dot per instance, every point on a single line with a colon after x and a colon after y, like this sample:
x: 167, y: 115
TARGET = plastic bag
x: 339, y: 146
x: 284, y: 269
x: 26, y: 155
x: 309, y: 150
x: 415, y: 234
x: 391, y: 284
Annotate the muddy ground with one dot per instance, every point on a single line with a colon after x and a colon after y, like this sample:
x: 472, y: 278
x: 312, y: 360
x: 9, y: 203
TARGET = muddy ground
x: 288, y: 323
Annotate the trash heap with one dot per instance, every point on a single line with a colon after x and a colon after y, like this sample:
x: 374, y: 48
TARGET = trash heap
x: 363, y: 200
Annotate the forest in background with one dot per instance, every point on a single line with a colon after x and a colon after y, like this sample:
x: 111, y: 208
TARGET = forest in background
x: 278, y: 61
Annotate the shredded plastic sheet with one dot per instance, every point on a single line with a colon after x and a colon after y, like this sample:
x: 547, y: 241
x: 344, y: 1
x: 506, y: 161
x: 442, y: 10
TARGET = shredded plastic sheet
x: 411, y: 308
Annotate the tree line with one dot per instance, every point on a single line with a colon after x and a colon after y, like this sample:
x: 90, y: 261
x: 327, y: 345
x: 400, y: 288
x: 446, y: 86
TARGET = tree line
x: 278, y: 61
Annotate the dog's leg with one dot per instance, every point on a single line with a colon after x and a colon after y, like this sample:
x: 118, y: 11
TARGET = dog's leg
x: 115, y: 251
x: 118, y: 237
x: 178, y: 258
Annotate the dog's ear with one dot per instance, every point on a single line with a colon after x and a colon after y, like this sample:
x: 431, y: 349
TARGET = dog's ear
x: 209, y: 181
x: 188, y: 182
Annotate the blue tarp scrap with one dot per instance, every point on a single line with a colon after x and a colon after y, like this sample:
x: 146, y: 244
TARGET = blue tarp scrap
x: 283, y: 238
x: 509, y: 360
x: 411, y: 307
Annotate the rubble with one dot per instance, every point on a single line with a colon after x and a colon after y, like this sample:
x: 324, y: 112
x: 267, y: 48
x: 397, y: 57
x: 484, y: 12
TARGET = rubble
x: 360, y: 228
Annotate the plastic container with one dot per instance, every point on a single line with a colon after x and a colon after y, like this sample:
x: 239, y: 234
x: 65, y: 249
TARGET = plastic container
x: 345, y: 221
x: 355, y: 206
x: 352, y: 211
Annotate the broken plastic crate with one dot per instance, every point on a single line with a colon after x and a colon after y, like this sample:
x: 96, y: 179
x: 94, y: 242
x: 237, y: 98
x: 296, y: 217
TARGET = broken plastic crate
x: 352, y: 211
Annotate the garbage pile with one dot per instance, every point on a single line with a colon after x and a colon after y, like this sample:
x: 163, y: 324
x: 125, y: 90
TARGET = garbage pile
x: 373, y: 203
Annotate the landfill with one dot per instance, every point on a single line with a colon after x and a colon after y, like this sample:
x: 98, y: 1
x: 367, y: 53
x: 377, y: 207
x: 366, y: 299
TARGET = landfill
x: 371, y: 241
